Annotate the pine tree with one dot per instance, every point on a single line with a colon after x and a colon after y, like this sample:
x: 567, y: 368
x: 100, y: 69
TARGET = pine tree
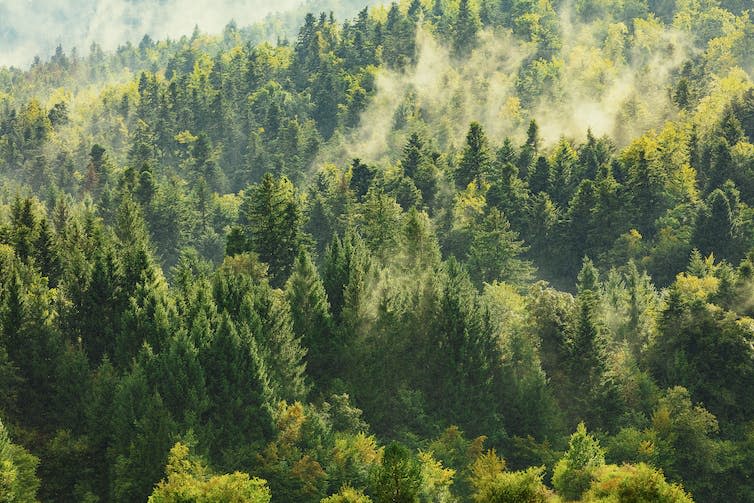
x: 149, y: 318
x: 178, y: 377
x: 563, y: 162
x: 347, y: 265
x: 335, y: 274
x: 423, y: 251
x: 510, y: 195
x: 540, y: 178
x: 476, y: 157
x: 239, y: 414
x: 361, y: 178
x: 140, y: 467
x: 418, y: 166
x: 465, y: 29
x: 587, y: 363
x: 97, y: 312
x: 271, y: 219
x: 495, y: 251
x: 463, y: 356
x: 647, y: 196
x: 715, y: 227
x: 379, y: 219
x: 398, y: 479
x: 542, y: 222
x: 266, y: 315
x: 573, y: 474
x: 312, y: 322
x: 581, y: 227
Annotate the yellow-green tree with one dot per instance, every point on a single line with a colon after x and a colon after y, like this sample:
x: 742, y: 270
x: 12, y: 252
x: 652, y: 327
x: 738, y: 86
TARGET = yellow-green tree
x: 190, y: 480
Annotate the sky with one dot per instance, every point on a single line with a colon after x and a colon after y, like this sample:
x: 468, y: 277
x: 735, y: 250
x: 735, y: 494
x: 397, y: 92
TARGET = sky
x: 35, y: 27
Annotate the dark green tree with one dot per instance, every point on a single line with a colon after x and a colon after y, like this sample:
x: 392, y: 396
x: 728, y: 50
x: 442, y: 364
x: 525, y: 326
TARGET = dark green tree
x: 239, y: 414
x: 465, y: 29
x: 495, y: 252
x: 476, y: 157
x: 271, y: 219
x: 312, y: 321
x: 398, y: 478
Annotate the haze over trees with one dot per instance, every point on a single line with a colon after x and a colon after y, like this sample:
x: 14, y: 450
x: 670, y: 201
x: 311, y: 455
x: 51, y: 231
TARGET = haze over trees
x: 487, y: 251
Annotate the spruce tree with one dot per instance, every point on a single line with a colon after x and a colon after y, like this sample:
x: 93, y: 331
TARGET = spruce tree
x: 476, y: 157
x: 265, y: 315
x: 271, y: 218
x: 495, y: 251
x: 541, y: 178
x: 239, y: 414
x: 312, y: 322
x: 465, y: 29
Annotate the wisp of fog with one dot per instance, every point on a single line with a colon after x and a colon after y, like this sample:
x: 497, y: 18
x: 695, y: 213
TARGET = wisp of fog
x: 30, y: 28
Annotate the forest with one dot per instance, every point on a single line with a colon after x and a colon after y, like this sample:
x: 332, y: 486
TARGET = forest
x: 440, y: 251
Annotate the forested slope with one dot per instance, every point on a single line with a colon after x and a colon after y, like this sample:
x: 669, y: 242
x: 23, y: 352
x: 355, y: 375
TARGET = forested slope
x: 446, y: 251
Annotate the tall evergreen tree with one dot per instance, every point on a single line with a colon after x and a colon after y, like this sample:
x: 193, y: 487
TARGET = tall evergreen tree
x: 239, y: 415
x: 476, y: 157
x: 266, y: 315
x: 495, y: 251
x: 465, y: 29
x: 312, y: 322
x: 271, y: 220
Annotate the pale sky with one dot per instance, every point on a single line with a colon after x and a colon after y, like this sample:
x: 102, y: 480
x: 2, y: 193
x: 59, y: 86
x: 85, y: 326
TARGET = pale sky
x: 36, y: 27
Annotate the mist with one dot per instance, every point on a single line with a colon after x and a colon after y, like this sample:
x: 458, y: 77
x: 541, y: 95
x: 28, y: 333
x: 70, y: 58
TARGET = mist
x: 30, y: 28
x: 610, y: 79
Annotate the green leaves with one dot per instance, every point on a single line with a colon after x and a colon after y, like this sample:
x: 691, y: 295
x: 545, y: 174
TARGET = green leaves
x: 18, y: 481
x: 398, y: 479
x: 271, y: 221
x: 574, y: 473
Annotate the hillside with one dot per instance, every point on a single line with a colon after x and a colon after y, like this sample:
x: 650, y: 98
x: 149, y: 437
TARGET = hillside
x: 439, y: 251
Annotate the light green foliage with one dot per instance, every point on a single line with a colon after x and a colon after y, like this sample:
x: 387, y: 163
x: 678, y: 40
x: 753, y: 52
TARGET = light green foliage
x: 436, y: 480
x: 348, y: 495
x: 291, y: 253
x: 509, y: 487
x: 634, y: 484
x: 18, y: 480
x: 190, y: 480
x: 495, y: 251
x: 575, y: 471
x: 493, y: 484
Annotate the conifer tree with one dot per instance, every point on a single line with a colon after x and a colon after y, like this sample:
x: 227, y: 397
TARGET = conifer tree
x: 715, y: 226
x: 495, y: 251
x: 398, y: 478
x: 271, y: 220
x: 476, y: 156
x: 465, y: 29
x: 587, y: 343
x: 574, y: 473
x: 178, y: 377
x: 646, y: 186
x: 46, y: 254
x: 266, y: 315
x: 418, y: 166
x: 463, y: 356
x: 312, y: 322
x: 239, y: 413
x: 540, y: 178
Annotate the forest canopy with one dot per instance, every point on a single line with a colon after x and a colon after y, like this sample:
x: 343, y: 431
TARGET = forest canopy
x: 439, y: 251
